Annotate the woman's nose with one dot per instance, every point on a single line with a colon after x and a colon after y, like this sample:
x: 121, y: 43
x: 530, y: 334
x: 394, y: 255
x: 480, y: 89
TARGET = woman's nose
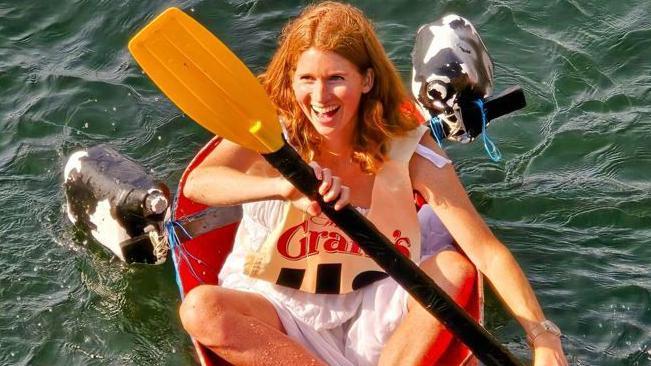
x: 320, y: 92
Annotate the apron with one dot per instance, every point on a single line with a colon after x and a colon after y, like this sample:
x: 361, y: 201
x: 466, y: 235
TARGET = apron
x: 310, y: 253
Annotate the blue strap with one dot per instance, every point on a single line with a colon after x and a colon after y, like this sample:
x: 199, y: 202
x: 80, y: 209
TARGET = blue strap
x: 173, y: 241
x: 492, y: 150
x: 436, y: 129
x: 180, y: 253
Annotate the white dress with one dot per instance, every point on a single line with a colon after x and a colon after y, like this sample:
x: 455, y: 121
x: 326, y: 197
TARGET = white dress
x: 345, y: 330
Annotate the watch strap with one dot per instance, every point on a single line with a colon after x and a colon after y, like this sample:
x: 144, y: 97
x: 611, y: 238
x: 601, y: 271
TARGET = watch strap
x: 545, y: 326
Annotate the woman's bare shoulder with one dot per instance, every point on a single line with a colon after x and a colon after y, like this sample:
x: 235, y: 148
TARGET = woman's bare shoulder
x: 422, y: 168
x: 428, y: 141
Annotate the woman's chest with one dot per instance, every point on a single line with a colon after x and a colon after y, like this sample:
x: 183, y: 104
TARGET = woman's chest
x: 360, y: 184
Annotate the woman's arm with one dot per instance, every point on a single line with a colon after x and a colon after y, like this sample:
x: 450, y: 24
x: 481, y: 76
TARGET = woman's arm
x: 230, y: 175
x: 444, y: 192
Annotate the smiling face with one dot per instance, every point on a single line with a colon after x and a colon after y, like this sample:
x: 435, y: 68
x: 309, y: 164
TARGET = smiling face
x: 328, y: 89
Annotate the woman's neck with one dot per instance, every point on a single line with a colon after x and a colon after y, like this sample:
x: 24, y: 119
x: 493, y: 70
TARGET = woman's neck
x: 335, y: 154
x: 336, y: 149
x: 340, y: 145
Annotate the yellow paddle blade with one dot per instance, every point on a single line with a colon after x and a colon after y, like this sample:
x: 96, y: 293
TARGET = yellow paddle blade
x: 207, y: 81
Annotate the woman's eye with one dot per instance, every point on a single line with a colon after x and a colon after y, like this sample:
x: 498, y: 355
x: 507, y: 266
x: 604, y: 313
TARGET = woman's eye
x: 337, y: 77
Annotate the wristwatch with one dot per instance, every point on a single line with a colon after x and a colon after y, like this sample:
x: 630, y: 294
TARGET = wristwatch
x: 545, y: 326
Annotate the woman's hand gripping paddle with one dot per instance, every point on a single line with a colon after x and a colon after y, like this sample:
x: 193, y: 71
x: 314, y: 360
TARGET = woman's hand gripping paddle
x: 213, y: 87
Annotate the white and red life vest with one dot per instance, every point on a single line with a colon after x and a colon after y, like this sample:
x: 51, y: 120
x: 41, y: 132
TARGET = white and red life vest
x: 312, y: 254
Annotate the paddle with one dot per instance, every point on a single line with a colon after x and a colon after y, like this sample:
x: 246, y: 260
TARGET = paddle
x: 213, y: 87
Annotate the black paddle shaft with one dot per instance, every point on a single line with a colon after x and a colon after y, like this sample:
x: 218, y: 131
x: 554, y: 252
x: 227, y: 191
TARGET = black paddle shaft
x: 287, y: 161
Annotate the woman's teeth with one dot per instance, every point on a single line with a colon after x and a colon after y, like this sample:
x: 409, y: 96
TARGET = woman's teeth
x: 325, y: 110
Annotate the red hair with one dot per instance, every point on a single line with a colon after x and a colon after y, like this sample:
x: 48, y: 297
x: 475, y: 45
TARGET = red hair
x: 343, y: 29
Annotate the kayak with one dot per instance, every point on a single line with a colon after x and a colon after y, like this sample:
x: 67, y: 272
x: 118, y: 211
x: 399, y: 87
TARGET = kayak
x: 201, y: 237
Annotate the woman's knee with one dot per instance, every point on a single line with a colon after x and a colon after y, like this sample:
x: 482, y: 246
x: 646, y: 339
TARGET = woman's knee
x: 211, y: 313
x: 201, y: 306
x: 456, y: 266
x: 452, y: 271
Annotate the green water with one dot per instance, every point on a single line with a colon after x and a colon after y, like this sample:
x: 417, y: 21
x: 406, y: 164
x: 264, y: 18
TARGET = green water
x: 571, y: 197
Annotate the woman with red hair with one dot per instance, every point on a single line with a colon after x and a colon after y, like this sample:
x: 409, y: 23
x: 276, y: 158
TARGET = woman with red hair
x: 295, y: 289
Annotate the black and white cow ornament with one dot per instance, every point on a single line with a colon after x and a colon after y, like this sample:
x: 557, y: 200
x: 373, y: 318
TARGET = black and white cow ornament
x: 452, y: 79
x: 112, y: 199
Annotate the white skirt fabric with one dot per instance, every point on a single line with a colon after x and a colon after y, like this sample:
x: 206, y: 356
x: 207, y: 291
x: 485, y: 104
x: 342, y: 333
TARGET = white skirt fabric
x: 344, y: 330
x: 374, y: 314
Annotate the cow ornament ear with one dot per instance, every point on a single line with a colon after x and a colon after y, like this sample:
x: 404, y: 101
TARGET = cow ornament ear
x: 452, y: 79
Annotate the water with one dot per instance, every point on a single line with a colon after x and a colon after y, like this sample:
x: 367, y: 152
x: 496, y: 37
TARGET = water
x: 571, y: 197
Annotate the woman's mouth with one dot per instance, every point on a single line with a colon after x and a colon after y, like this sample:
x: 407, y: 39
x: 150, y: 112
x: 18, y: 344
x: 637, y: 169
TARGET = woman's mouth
x: 324, y: 114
